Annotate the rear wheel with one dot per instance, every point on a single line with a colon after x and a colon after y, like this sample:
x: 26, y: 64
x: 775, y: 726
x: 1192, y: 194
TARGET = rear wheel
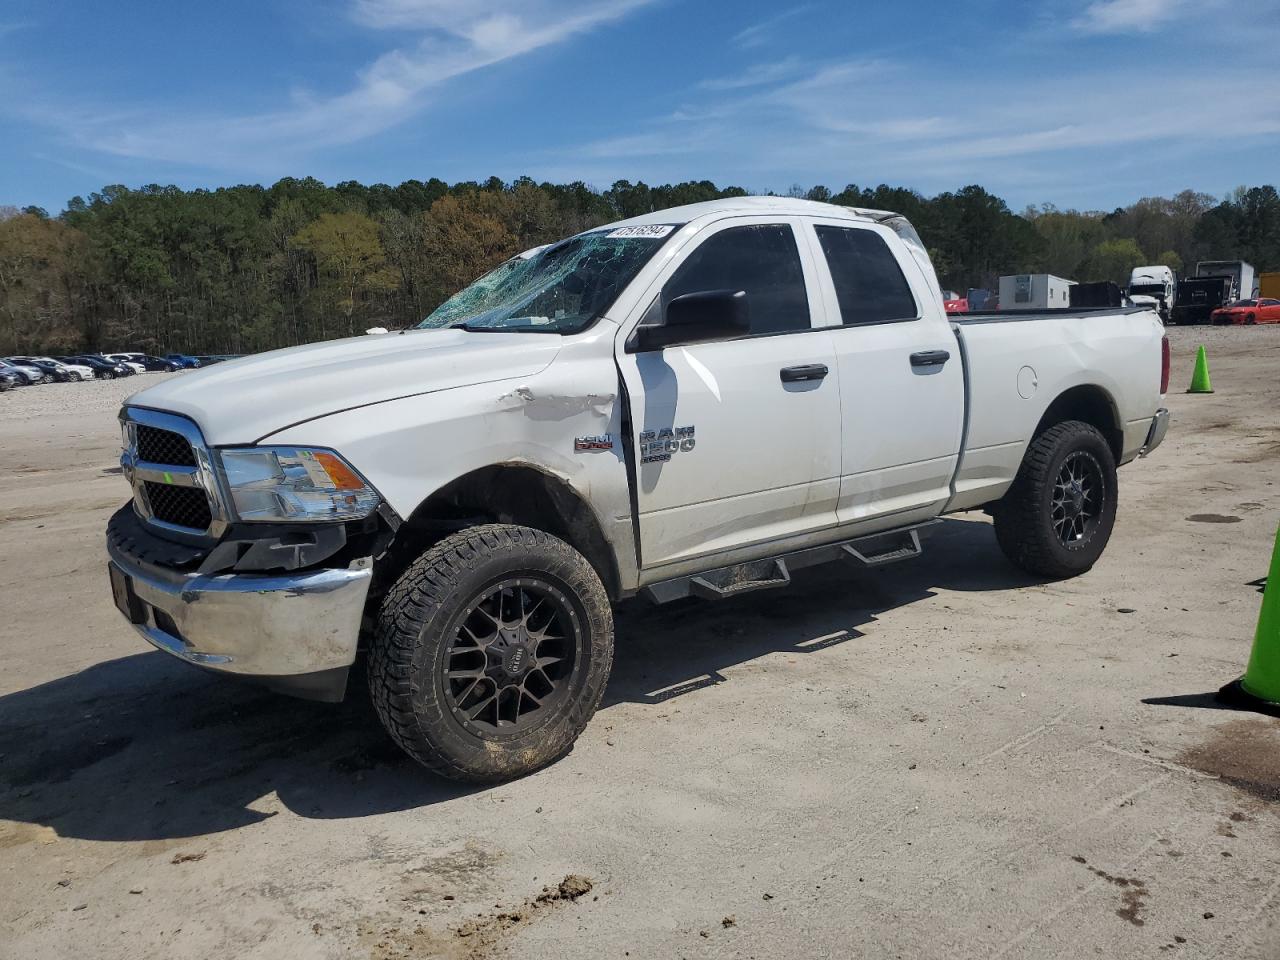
x: 1057, y: 517
x: 1251, y: 319
x: 491, y: 653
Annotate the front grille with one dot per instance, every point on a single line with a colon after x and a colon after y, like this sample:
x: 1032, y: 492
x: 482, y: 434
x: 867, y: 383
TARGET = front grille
x: 164, y: 447
x: 181, y: 506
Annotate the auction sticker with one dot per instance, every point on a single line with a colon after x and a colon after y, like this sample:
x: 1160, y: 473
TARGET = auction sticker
x: 648, y: 231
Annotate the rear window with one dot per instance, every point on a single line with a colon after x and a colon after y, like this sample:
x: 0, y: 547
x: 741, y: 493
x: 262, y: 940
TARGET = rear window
x: 869, y: 283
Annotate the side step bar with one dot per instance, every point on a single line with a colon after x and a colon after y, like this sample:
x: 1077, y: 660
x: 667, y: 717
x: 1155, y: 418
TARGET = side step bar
x: 892, y: 548
x: 742, y: 578
x: 873, y: 550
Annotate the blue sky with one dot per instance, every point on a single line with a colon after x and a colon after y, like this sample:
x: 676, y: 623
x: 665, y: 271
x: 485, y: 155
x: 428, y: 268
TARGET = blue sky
x: 1082, y: 103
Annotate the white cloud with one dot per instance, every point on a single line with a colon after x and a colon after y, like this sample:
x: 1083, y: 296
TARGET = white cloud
x: 759, y: 34
x: 1057, y: 135
x: 1128, y: 16
x: 451, y: 39
x: 756, y: 75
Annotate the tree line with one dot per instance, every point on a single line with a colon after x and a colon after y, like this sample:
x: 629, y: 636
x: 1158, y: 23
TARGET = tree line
x: 247, y: 268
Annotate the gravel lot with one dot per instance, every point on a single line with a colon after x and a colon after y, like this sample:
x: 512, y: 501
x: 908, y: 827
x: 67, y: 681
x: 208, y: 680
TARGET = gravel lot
x: 940, y: 759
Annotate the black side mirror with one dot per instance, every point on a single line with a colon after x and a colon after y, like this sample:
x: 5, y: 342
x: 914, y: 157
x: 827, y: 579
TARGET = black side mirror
x: 697, y: 318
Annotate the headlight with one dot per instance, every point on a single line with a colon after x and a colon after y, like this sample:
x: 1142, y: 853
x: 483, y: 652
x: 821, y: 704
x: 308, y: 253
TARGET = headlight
x: 294, y: 483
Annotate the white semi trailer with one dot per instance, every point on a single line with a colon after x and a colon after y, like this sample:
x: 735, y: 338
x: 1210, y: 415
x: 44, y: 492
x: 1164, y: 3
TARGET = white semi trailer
x: 1243, y: 282
x: 1035, y: 291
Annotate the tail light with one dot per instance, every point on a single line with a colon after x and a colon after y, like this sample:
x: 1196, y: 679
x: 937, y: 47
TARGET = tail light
x: 1164, y: 365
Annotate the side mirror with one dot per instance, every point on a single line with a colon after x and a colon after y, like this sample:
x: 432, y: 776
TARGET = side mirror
x: 697, y: 318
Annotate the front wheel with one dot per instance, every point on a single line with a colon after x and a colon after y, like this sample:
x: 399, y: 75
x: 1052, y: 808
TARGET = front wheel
x: 1057, y: 516
x: 491, y: 653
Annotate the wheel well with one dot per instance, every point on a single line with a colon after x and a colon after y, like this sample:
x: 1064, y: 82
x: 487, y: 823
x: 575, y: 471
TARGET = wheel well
x: 1090, y: 404
x: 506, y: 493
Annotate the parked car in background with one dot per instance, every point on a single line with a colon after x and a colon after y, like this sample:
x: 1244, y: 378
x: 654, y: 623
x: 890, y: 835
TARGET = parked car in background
x: 126, y: 359
x: 1259, y: 310
x: 28, y: 373
x: 102, y: 368
x: 62, y: 372
x: 149, y: 363
x: 952, y: 302
x: 183, y: 360
x: 9, y: 380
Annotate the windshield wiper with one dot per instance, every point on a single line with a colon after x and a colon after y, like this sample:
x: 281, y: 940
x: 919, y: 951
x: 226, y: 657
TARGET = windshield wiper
x: 470, y: 328
x: 475, y: 328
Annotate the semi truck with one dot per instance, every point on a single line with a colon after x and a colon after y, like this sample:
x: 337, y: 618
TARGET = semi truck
x: 1155, y: 285
x: 692, y: 403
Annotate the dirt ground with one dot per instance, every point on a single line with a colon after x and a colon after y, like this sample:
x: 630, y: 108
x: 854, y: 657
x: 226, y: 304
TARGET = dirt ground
x: 940, y: 759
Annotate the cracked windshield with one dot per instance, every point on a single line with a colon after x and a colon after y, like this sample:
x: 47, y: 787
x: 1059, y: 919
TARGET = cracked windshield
x: 559, y: 288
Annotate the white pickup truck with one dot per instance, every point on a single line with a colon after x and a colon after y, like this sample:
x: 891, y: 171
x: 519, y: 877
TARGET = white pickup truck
x: 693, y: 402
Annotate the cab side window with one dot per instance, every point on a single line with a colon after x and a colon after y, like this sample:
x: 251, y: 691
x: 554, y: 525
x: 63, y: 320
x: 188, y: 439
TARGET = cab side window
x: 761, y: 259
x: 869, y: 283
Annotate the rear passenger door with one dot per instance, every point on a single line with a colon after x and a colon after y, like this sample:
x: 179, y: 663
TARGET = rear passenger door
x: 901, y: 376
x: 737, y: 442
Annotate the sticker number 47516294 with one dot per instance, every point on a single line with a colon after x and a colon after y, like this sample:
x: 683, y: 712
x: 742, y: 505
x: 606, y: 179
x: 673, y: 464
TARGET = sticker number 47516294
x: 647, y: 231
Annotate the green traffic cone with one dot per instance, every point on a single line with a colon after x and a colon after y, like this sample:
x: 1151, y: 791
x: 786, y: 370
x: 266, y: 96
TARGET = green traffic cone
x: 1200, y: 376
x: 1259, y: 688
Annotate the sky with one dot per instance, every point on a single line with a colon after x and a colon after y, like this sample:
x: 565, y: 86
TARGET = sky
x: 1086, y: 104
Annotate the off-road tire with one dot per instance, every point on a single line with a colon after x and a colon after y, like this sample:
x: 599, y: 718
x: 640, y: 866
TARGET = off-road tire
x: 421, y: 614
x: 1023, y: 518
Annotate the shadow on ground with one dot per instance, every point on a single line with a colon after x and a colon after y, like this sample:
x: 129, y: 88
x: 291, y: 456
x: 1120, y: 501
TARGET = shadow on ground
x: 145, y: 747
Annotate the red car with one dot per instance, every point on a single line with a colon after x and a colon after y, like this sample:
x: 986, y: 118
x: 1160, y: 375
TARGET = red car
x: 1261, y: 310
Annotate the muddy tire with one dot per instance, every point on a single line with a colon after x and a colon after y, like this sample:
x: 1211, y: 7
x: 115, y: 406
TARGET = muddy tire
x: 1057, y: 517
x: 491, y: 653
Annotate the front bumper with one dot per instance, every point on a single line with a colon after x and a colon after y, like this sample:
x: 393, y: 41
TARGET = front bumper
x: 1155, y: 436
x: 294, y: 632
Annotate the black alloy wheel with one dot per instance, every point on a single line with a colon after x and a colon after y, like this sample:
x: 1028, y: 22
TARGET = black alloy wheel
x: 512, y: 656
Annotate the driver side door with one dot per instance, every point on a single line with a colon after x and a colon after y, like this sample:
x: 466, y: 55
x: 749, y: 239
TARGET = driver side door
x: 736, y: 442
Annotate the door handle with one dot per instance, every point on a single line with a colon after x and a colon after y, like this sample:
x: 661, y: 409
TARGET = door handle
x: 806, y: 371
x: 930, y: 358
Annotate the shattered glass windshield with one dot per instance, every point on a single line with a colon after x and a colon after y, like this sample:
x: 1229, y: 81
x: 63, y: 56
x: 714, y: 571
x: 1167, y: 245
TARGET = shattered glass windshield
x: 561, y: 288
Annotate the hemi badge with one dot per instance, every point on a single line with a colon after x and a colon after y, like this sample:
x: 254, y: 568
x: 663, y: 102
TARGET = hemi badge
x: 603, y: 442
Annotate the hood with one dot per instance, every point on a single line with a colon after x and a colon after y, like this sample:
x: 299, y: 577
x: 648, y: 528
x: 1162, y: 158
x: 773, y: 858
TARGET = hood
x: 243, y: 401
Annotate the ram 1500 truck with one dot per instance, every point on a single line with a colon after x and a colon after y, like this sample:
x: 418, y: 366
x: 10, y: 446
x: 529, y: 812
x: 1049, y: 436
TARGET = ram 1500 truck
x: 695, y: 402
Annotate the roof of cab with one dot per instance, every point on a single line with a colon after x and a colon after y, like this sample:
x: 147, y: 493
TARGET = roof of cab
x: 782, y: 206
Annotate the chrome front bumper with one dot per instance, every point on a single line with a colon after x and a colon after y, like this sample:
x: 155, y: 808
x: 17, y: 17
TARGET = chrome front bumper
x: 295, y: 632
x: 1155, y: 436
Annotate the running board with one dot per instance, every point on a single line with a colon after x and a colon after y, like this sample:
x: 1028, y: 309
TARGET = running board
x: 886, y: 548
x: 742, y: 578
x: 873, y: 550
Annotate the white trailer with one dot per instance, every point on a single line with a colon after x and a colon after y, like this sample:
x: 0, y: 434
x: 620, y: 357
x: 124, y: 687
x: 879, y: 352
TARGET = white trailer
x: 1035, y: 291
x: 1242, y: 276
